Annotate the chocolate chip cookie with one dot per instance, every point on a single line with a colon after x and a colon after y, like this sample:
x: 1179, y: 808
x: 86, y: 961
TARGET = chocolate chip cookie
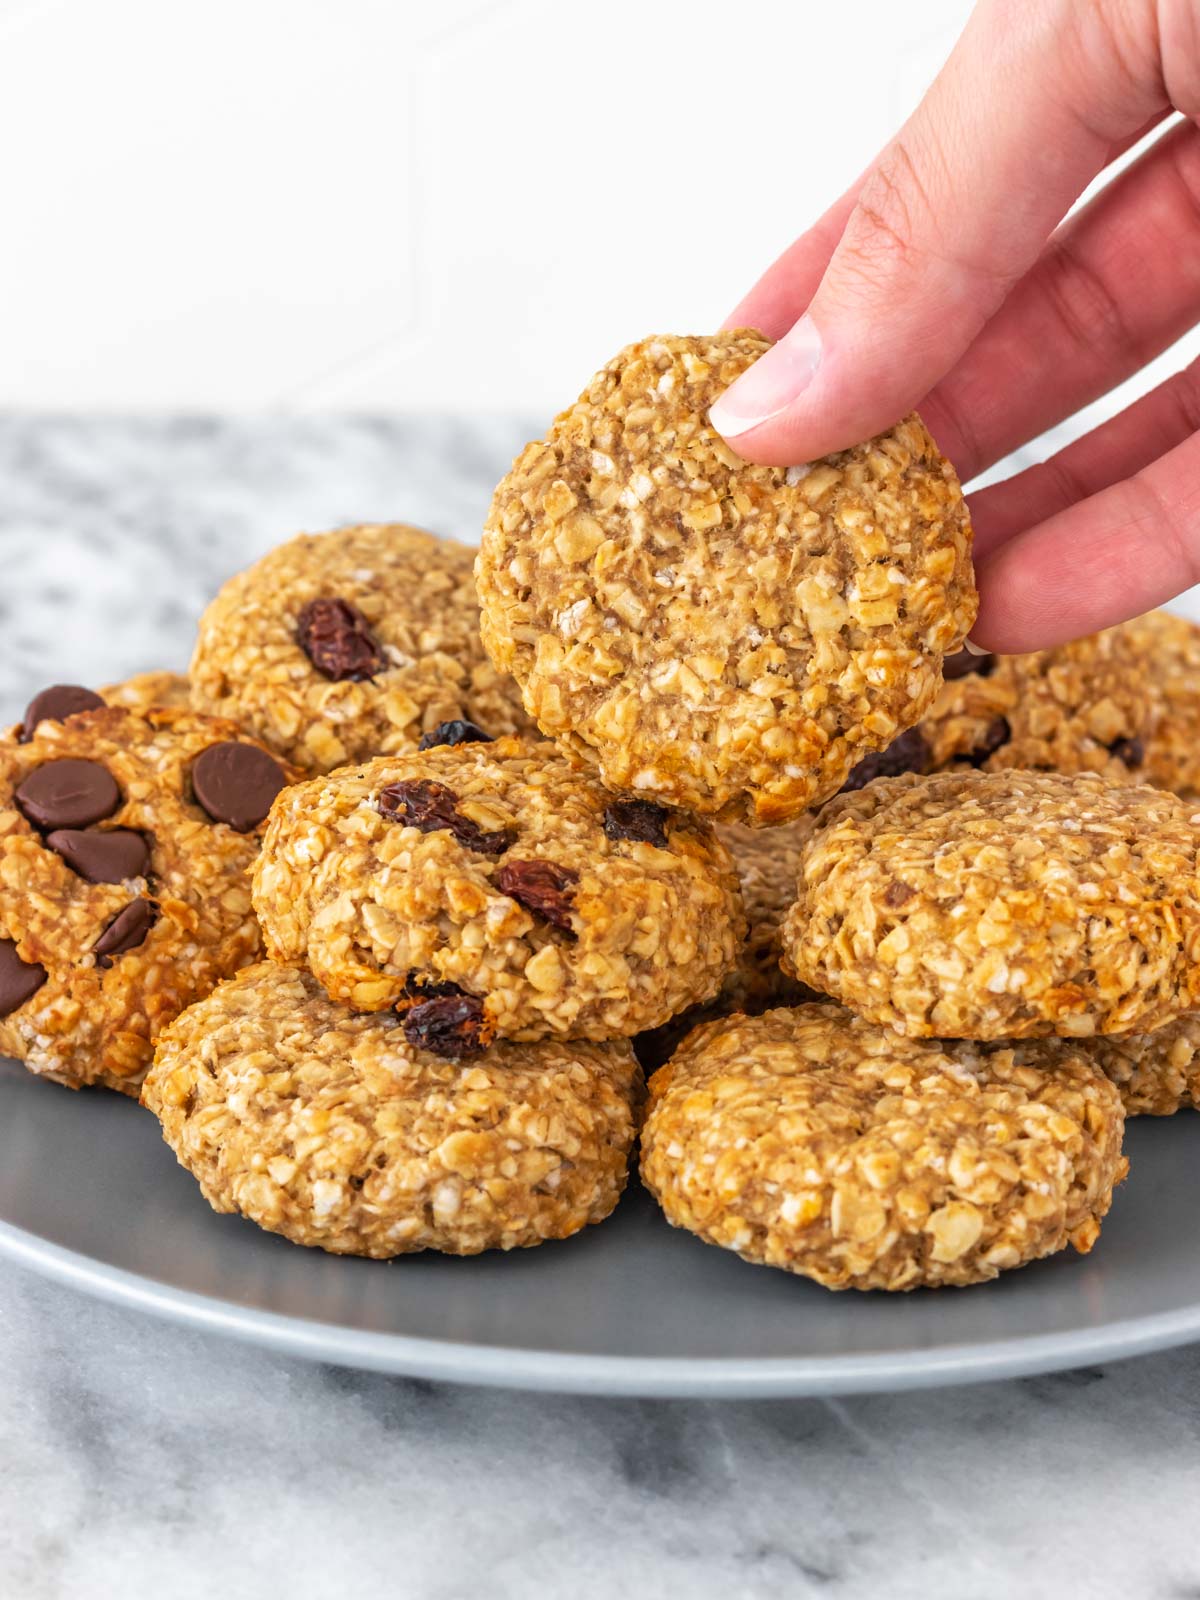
x: 168, y: 690
x: 812, y: 1140
x: 492, y: 890
x: 125, y: 846
x: 1086, y: 706
x: 980, y: 905
x: 709, y: 633
x: 339, y: 646
x: 332, y: 1129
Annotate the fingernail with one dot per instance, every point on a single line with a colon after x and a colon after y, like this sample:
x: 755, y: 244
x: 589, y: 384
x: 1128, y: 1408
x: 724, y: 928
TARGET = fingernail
x: 771, y: 384
x: 974, y: 649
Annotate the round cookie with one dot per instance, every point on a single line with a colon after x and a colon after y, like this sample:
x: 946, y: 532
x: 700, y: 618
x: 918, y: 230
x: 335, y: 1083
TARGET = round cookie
x: 815, y: 1141
x: 1157, y: 1073
x: 1080, y: 707
x: 125, y: 847
x: 767, y: 862
x: 329, y: 1128
x: 1167, y: 650
x: 979, y: 905
x: 494, y: 890
x: 709, y: 633
x: 340, y: 646
x: 170, y: 690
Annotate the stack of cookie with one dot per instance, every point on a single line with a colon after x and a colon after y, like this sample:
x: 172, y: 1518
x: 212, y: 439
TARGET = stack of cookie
x: 464, y: 932
x: 750, y: 642
x: 698, y: 762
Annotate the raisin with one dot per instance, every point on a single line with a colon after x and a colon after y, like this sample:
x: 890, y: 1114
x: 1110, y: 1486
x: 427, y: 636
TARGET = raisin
x: 449, y: 1025
x: 965, y: 664
x: 418, y: 803
x: 417, y: 989
x: 909, y: 753
x: 997, y: 734
x: 337, y: 639
x: 542, y: 887
x: 1131, y: 751
x: 898, y: 893
x: 459, y: 731
x: 639, y: 820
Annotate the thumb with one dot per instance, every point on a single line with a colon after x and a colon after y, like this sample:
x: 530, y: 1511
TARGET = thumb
x: 1021, y: 118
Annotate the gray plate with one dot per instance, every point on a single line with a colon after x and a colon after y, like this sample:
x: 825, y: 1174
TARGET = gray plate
x: 90, y: 1194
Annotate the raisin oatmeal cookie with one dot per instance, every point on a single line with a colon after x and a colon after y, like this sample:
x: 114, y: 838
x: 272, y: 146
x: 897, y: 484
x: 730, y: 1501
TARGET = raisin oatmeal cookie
x: 1167, y: 649
x: 1157, y: 1073
x: 169, y: 690
x: 330, y: 1128
x: 494, y: 890
x: 975, y: 905
x: 340, y: 646
x: 709, y: 633
x: 812, y: 1140
x: 125, y: 847
x: 1080, y: 707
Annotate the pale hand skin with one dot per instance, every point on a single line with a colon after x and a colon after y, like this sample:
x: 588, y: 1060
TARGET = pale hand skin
x: 947, y: 280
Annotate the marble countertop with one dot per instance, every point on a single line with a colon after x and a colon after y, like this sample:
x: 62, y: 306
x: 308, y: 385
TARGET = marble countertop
x: 140, y: 1459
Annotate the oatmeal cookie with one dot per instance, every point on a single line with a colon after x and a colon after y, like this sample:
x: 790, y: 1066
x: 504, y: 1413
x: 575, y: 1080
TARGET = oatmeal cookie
x: 1157, y: 1073
x: 978, y: 905
x: 1080, y: 707
x: 1167, y: 649
x: 169, y: 690
x: 125, y: 847
x: 812, y: 1140
x: 709, y: 633
x: 768, y: 863
x: 328, y: 1127
x: 339, y: 646
x: 494, y: 890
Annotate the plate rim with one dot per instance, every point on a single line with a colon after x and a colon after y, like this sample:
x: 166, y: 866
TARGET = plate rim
x: 559, y: 1372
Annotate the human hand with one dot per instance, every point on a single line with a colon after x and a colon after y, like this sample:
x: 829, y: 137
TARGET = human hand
x: 943, y: 281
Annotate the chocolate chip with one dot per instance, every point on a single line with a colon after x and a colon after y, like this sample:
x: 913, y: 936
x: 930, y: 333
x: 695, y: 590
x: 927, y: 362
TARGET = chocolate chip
x: 995, y: 736
x: 638, y: 820
x: 1131, y: 751
x: 68, y: 794
x: 125, y: 932
x: 450, y: 1024
x: 109, y: 857
x: 337, y: 639
x: 964, y: 664
x: 431, y: 807
x: 909, y: 753
x: 236, y: 783
x: 457, y: 732
x: 56, y: 704
x: 19, y: 980
x: 542, y: 887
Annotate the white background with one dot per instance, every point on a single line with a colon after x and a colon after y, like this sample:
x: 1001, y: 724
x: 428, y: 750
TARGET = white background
x: 451, y: 204
x: 462, y: 205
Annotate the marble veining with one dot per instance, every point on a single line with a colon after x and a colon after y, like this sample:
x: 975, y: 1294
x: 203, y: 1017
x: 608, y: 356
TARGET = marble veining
x: 139, y: 1459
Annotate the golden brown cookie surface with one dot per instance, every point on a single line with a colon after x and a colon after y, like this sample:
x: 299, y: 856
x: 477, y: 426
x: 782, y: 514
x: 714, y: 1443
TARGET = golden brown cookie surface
x: 812, y: 1140
x: 126, y: 843
x: 329, y: 1128
x: 709, y: 633
x: 170, y: 690
x: 975, y: 905
x: 1167, y: 650
x: 340, y: 646
x: 497, y: 890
